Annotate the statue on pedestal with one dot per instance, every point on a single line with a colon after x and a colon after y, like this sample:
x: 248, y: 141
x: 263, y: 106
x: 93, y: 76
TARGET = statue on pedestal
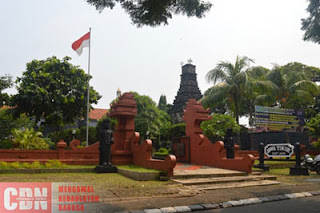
x: 106, y: 140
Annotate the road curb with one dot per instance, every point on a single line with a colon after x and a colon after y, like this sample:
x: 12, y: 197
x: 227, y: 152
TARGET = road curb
x: 228, y: 204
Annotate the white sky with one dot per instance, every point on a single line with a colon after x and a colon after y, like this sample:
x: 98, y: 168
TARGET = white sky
x: 147, y: 60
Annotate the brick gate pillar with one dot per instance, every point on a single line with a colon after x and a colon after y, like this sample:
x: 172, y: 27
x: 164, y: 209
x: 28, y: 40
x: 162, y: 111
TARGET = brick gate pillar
x: 124, y: 111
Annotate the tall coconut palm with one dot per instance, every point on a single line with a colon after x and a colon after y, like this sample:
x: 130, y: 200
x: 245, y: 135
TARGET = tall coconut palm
x: 255, y: 91
x: 295, y: 90
x: 229, y: 84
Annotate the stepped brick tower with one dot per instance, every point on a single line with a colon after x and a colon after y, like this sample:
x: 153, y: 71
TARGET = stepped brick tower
x: 188, y: 89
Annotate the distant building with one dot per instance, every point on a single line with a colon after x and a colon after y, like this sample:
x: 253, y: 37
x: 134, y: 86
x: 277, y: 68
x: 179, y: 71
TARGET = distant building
x: 94, y: 116
x: 188, y: 89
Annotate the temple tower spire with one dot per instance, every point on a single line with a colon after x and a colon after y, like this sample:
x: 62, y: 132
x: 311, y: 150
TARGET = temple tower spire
x: 188, y: 89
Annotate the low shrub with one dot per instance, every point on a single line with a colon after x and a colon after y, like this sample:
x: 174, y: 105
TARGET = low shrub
x: 29, y: 139
x: 218, y: 125
x: 26, y: 165
x: 54, y: 164
x: 4, y: 165
x: 163, y: 152
x: 316, y: 143
x: 35, y: 164
x: 15, y: 165
x: 67, y: 135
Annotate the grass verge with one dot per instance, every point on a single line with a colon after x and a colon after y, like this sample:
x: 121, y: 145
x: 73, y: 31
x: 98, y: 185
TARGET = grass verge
x: 283, y: 175
x: 109, y: 185
x: 136, y: 168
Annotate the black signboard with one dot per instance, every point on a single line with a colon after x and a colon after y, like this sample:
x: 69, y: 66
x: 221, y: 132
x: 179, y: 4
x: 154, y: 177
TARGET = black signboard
x: 279, y: 150
x: 278, y: 119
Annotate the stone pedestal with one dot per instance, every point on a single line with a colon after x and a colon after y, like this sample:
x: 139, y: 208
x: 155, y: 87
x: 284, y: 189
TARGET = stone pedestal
x: 106, y: 169
x: 299, y: 171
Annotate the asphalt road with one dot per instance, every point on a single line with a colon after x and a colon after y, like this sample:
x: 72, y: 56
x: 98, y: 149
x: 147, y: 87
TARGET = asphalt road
x: 303, y: 205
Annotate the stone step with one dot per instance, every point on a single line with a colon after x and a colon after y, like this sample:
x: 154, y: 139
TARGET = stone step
x: 206, y: 173
x: 257, y: 172
x: 220, y: 180
x: 234, y: 185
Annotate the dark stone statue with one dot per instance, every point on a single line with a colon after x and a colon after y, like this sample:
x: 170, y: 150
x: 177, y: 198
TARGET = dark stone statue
x: 106, y: 140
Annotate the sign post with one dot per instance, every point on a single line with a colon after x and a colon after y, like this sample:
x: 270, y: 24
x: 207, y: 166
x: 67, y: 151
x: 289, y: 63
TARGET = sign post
x: 298, y: 169
x: 279, y: 150
x: 261, y: 164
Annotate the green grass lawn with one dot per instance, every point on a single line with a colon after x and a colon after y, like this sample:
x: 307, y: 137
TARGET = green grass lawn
x: 277, y: 164
x: 270, y: 162
x: 136, y: 168
x: 283, y: 175
x: 281, y: 169
x: 55, y: 164
x: 114, y: 184
x: 108, y: 184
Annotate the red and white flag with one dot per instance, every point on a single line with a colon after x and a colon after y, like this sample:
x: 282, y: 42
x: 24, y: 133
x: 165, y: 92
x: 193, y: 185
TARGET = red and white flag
x: 82, y: 42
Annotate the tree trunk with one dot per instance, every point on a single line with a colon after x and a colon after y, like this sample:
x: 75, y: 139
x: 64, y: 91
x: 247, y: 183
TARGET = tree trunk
x: 251, y: 111
x: 236, y: 104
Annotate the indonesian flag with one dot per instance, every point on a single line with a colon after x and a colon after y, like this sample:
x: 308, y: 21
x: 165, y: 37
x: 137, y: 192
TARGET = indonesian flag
x: 82, y: 42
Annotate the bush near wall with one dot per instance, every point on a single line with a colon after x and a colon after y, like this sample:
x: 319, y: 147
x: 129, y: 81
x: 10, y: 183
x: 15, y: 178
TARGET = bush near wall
x: 218, y: 125
x: 67, y: 136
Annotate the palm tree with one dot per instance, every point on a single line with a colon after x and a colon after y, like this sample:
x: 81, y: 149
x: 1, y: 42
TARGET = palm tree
x: 294, y: 91
x: 229, y: 81
x: 282, y: 86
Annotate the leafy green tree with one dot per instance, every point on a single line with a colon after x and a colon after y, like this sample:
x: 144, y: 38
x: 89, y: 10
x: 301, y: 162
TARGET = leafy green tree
x: 177, y: 130
x: 314, y: 126
x: 29, y: 139
x: 147, y: 120
x: 314, y: 109
x: 162, y: 105
x: 230, y: 81
x: 311, y: 25
x: 165, y: 124
x: 55, y: 90
x: 153, y: 12
x: 8, y: 122
x: 5, y: 83
x: 218, y: 125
